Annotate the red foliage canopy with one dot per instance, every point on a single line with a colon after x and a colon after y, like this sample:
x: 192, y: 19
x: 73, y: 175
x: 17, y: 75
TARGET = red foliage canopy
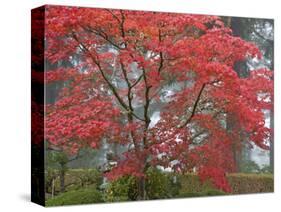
x: 126, y: 62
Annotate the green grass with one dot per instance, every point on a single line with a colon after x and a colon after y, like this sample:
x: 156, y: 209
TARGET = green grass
x: 209, y: 192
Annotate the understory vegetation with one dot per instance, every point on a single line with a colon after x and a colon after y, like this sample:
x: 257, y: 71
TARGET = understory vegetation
x: 84, y: 186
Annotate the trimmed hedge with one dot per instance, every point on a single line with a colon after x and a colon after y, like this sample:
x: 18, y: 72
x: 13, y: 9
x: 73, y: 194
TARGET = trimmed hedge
x: 209, y: 192
x: 239, y: 182
x: 251, y: 183
x: 83, y: 196
x: 190, y: 183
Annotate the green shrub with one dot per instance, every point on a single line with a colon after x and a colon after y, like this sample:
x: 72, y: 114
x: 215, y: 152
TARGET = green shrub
x: 250, y: 166
x: 76, y: 179
x: 50, y: 176
x: 266, y: 169
x: 160, y: 185
x: 83, y: 196
x: 122, y: 189
x: 89, y: 177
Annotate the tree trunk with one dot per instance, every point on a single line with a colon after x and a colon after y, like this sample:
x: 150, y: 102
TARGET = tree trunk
x: 53, y: 187
x: 242, y: 70
x: 231, y: 125
x: 62, y: 182
x: 237, y: 157
x: 141, y: 189
x: 271, y: 153
x: 142, y: 195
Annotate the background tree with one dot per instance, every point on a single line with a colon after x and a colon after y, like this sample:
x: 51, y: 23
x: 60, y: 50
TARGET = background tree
x: 260, y: 32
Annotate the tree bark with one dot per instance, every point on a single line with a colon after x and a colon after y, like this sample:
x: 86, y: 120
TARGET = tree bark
x: 141, y: 189
x: 231, y: 124
x: 62, y: 180
x: 271, y: 153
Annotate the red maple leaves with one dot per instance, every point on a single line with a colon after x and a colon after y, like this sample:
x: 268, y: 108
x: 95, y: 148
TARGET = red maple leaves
x: 125, y: 62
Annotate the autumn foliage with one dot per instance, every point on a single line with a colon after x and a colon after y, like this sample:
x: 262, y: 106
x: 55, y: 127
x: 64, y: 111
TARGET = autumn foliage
x: 123, y: 63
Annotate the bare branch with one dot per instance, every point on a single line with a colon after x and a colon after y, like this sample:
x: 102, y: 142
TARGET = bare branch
x: 262, y: 37
x: 194, y: 106
x: 114, y: 16
x: 160, y: 54
x: 111, y: 86
x: 129, y: 93
x: 146, y: 106
x: 103, y: 35
x: 137, y: 81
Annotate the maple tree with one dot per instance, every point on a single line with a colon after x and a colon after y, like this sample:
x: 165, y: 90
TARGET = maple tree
x: 125, y: 62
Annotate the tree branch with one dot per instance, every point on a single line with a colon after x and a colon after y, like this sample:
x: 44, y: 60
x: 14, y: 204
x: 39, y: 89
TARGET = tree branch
x: 75, y: 158
x: 194, y: 106
x: 129, y: 92
x: 137, y: 81
x: 262, y: 37
x: 103, y: 35
x: 114, y: 16
x: 197, y: 135
x: 146, y: 106
x: 122, y: 24
x: 160, y: 54
x: 111, y: 86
